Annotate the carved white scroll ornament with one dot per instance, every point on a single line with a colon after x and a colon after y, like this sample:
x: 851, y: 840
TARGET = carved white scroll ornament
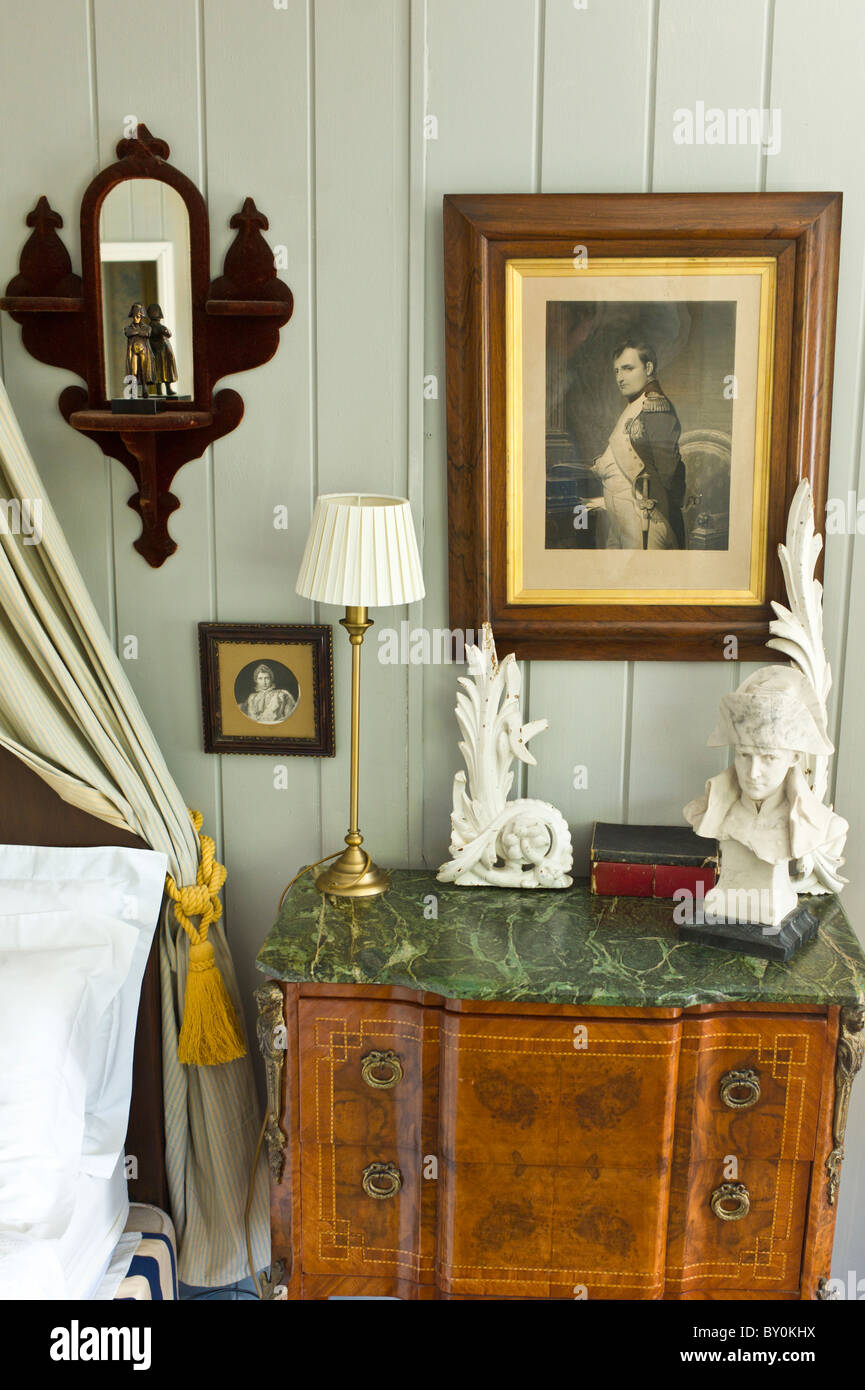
x: 798, y: 632
x: 496, y: 842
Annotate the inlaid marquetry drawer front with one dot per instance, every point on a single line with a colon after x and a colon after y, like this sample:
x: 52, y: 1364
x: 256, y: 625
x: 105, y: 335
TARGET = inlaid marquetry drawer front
x: 752, y: 1238
x: 553, y: 1092
x: 368, y: 1115
x: 522, y: 1230
x: 367, y: 1212
x: 556, y: 1138
x: 368, y: 1073
x: 749, y: 1085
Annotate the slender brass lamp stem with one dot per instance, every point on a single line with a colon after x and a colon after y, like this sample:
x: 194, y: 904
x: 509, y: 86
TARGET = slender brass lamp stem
x: 356, y: 623
x: 353, y: 874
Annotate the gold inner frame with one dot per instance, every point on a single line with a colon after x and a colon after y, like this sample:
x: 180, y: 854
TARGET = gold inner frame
x: 518, y: 269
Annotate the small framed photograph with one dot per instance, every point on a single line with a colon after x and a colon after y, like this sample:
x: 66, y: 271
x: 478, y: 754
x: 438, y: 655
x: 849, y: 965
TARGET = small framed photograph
x: 267, y: 688
x: 636, y: 384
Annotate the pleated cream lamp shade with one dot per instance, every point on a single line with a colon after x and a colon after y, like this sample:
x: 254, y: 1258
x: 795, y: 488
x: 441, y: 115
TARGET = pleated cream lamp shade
x: 361, y: 552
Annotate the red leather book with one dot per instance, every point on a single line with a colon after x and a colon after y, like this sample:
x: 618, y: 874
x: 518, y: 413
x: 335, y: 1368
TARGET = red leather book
x: 650, y: 861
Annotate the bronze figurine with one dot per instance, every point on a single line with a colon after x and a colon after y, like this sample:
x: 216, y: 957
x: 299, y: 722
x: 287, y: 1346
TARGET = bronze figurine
x: 139, y: 357
x: 164, y: 365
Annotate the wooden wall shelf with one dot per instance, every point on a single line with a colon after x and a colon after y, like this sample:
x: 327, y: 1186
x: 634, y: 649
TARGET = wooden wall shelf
x: 61, y: 320
x: 245, y: 308
x: 33, y: 304
x: 98, y: 420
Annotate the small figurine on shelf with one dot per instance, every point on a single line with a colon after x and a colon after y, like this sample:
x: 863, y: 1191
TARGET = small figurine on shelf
x: 139, y: 356
x: 164, y: 365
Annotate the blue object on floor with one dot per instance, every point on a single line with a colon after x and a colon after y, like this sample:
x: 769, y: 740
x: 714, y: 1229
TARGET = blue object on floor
x: 147, y: 1264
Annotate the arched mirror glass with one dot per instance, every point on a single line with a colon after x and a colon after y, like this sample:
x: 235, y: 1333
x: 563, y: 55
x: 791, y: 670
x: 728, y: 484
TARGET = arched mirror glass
x: 146, y: 293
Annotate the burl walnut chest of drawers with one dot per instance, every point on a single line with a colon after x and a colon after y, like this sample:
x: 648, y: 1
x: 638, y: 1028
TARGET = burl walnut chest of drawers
x: 487, y: 1094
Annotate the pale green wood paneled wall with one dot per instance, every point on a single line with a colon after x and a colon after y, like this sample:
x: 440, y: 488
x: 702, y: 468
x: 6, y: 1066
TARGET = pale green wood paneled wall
x: 316, y: 108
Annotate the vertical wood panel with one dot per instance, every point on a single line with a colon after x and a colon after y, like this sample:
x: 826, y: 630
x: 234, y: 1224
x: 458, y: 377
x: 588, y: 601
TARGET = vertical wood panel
x: 482, y: 68
x: 49, y: 146
x: 267, y: 461
x: 675, y: 710
x: 713, y: 54
x: 139, y: 72
x: 361, y: 214
x: 597, y: 82
x: 580, y: 758
x: 593, y: 136
x: 147, y: 65
x: 817, y: 64
x: 415, y: 405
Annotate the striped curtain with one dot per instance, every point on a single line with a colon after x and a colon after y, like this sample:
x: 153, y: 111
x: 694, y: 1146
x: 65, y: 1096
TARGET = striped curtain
x: 68, y: 711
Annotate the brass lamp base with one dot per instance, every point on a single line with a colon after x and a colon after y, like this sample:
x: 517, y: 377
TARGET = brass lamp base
x: 347, y: 878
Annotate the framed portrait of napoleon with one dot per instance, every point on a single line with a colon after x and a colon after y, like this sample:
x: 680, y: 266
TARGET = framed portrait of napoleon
x: 267, y: 688
x: 635, y: 385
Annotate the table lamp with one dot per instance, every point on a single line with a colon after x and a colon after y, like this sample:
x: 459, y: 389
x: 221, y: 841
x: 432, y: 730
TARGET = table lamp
x: 361, y: 551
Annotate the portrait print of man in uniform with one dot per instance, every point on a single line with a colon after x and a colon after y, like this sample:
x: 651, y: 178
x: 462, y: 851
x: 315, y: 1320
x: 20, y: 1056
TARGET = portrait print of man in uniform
x: 641, y: 468
x: 640, y: 400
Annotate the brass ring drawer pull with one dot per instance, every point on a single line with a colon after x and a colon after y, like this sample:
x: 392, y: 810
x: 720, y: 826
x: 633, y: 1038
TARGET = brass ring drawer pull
x: 740, y: 1089
x: 381, y: 1180
x: 731, y: 1201
x: 376, y: 1063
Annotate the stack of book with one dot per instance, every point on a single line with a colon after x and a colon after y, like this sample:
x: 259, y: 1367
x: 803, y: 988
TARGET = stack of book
x: 650, y: 861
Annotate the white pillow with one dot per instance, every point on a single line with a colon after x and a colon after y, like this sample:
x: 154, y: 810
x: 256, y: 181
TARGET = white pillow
x: 59, y: 972
x: 30, y: 1270
x: 112, y: 882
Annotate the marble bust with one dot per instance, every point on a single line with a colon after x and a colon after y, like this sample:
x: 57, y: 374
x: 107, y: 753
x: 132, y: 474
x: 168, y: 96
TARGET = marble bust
x: 762, y: 808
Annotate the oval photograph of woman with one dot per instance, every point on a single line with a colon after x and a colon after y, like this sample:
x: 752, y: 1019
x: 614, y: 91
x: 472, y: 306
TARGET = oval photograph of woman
x: 267, y: 692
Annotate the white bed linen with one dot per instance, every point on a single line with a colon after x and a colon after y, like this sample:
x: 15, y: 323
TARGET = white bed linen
x: 59, y: 972
x: 89, y: 1261
x: 30, y: 1269
x: 111, y: 882
x: 86, y: 1247
x: 118, y: 1266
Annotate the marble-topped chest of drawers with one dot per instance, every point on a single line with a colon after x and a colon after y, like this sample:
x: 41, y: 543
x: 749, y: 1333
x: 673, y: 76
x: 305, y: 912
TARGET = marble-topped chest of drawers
x: 488, y: 1094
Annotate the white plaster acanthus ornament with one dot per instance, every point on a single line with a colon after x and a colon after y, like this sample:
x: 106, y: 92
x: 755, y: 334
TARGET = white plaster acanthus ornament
x: 798, y: 632
x: 495, y: 842
x: 767, y: 809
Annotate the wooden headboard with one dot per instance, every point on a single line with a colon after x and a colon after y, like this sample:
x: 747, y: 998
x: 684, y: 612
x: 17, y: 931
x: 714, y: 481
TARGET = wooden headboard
x: 32, y: 814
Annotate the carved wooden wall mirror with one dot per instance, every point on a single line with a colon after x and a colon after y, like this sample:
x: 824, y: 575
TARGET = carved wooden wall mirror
x: 143, y: 325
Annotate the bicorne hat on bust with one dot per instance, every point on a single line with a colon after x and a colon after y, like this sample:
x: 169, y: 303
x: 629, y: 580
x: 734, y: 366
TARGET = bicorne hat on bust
x: 775, y: 708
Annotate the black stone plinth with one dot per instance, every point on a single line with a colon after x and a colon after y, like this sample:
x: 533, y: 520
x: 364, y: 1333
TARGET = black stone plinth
x: 144, y: 405
x: 750, y: 939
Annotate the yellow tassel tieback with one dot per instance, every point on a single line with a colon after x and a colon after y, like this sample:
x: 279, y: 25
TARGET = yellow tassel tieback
x: 210, y: 1033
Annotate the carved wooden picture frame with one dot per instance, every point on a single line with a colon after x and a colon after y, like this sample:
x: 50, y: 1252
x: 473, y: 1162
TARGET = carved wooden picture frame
x: 267, y: 688
x: 503, y: 249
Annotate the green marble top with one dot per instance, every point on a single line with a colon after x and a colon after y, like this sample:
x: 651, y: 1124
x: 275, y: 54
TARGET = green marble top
x: 543, y: 947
